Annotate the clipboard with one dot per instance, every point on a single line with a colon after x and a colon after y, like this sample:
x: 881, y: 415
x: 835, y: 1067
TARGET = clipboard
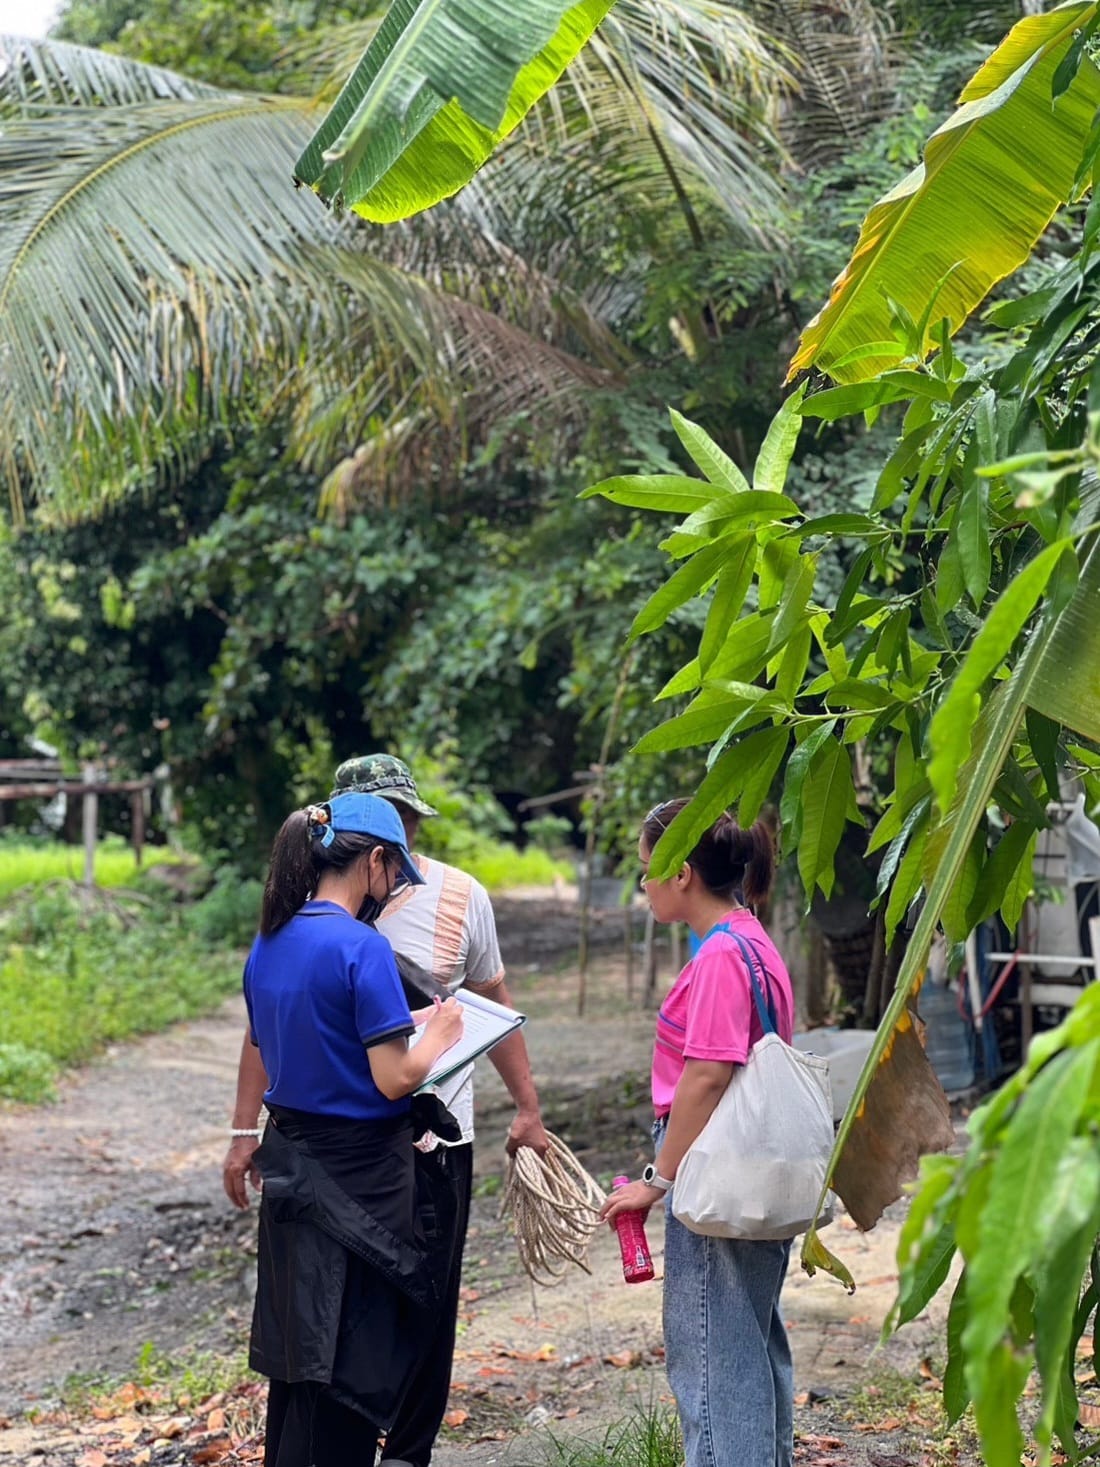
x: 485, y: 1023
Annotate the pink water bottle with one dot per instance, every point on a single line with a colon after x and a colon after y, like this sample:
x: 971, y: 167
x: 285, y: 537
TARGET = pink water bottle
x: 630, y: 1226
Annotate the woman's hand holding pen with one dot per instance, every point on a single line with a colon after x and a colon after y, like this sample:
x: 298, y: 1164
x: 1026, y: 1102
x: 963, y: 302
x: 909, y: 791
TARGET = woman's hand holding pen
x: 445, y: 1023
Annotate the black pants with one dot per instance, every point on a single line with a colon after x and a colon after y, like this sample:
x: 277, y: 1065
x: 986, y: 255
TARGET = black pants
x: 306, y: 1425
x: 420, y: 1414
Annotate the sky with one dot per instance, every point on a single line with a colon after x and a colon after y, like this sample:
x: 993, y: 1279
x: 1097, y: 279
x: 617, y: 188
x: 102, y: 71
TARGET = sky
x: 27, y: 17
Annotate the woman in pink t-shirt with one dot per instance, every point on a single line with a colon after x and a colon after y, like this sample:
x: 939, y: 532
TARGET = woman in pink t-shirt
x: 726, y: 1348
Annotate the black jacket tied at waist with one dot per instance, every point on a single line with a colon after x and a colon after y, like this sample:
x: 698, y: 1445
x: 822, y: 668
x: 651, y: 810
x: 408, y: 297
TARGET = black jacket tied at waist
x: 353, y: 1234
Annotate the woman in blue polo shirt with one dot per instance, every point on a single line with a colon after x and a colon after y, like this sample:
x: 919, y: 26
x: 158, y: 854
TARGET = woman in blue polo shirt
x: 345, y: 1297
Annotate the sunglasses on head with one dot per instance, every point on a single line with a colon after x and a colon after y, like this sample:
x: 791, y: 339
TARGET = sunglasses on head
x: 656, y: 812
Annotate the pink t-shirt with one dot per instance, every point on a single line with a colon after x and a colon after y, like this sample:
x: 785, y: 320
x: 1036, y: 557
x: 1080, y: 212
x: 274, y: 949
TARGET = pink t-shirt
x: 709, y: 1013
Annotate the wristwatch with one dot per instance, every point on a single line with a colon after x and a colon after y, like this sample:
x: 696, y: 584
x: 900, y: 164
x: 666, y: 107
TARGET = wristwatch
x: 652, y: 1178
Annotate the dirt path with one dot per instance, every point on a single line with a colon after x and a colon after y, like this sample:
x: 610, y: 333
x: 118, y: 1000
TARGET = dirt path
x: 117, y: 1248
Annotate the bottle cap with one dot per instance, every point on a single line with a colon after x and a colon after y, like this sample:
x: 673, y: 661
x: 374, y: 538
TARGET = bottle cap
x: 620, y: 1182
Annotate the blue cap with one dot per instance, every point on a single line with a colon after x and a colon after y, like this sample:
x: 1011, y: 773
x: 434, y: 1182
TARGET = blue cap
x: 358, y: 814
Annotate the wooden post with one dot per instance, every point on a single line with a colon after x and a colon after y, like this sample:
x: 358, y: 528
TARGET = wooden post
x: 1027, y: 1018
x: 91, y: 821
x: 649, y: 991
x: 137, y: 823
x: 586, y: 912
x: 628, y: 948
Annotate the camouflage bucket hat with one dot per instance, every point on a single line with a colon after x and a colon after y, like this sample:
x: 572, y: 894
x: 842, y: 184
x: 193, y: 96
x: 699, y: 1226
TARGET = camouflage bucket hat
x: 383, y: 775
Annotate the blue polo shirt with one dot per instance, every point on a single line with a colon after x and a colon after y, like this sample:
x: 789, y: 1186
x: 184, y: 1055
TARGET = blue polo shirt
x: 320, y: 992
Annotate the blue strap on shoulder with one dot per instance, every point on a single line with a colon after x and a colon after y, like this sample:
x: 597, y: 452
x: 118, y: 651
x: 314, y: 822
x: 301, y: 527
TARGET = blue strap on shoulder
x: 761, y: 992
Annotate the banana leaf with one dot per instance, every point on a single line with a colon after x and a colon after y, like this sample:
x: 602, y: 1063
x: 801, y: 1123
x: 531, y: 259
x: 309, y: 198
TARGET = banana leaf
x: 441, y: 83
x: 992, y: 178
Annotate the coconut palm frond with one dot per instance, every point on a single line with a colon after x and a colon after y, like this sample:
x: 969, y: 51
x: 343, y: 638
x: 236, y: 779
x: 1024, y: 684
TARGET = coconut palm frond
x: 670, y: 97
x: 157, y: 268
x: 151, y: 257
x: 845, y: 66
x: 55, y: 74
x: 416, y: 348
x: 981, y: 20
x: 323, y: 61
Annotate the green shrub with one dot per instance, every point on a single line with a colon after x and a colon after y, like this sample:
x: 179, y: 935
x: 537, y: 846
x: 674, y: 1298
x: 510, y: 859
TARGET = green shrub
x: 500, y: 865
x: 77, y: 974
x: 229, y: 914
x: 26, y: 1074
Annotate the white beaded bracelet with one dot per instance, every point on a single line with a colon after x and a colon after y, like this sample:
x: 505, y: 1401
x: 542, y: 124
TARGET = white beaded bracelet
x: 246, y: 1131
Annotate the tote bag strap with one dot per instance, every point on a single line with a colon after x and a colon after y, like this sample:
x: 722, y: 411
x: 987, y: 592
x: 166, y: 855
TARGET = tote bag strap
x: 761, y: 992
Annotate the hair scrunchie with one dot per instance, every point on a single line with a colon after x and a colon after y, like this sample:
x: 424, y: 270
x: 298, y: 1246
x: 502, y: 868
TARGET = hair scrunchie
x: 319, y: 821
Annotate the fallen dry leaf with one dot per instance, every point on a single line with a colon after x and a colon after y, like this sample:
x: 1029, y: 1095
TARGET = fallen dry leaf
x: 623, y: 1359
x: 456, y: 1417
x: 888, y: 1423
x: 94, y: 1458
x: 1088, y: 1415
x: 216, y: 1420
x: 213, y: 1452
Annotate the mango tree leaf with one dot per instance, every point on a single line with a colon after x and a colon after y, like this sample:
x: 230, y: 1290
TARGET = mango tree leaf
x: 672, y: 493
x: 861, y: 397
x: 1012, y: 854
x: 826, y: 797
x: 950, y: 581
x: 729, y: 510
x: 774, y: 458
x: 682, y: 586
x: 708, y: 717
x: 992, y: 178
x: 907, y: 883
x: 949, y: 732
x: 792, y: 607
x: 922, y: 1269
x: 791, y: 671
x: 956, y: 1397
x: 738, y: 558
x: 790, y: 804
x: 708, y: 458
x: 439, y: 86
x: 720, y: 786
x: 1042, y: 736
x: 762, y: 759
x: 1073, y: 698
x: 1067, y: 1227
x: 1019, y: 886
x: 972, y: 537
x: 956, y: 909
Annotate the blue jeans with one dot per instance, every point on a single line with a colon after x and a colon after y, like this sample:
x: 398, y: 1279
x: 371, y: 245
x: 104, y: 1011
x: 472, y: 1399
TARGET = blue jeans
x: 726, y: 1347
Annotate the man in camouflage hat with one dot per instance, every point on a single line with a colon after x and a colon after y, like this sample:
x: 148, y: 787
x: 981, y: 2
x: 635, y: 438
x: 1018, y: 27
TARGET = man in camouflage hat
x: 384, y: 775
x: 446, y: 928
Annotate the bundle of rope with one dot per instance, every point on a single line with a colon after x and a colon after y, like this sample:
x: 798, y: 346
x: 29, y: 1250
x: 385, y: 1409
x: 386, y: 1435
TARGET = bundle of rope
x: 554, y: 1206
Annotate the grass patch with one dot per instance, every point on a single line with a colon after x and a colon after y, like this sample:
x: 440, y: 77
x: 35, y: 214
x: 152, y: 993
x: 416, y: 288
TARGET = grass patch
x: 889, y: 1400
x: 498, y: 865
x: 650, y: 1437
x: 77, y: 974
x: 34, y: 863
x: 158, y: 1379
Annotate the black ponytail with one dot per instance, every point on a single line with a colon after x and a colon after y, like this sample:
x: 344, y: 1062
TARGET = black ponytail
x: 290, y: 877
x: 298, y: 860
x: 736, y: 864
